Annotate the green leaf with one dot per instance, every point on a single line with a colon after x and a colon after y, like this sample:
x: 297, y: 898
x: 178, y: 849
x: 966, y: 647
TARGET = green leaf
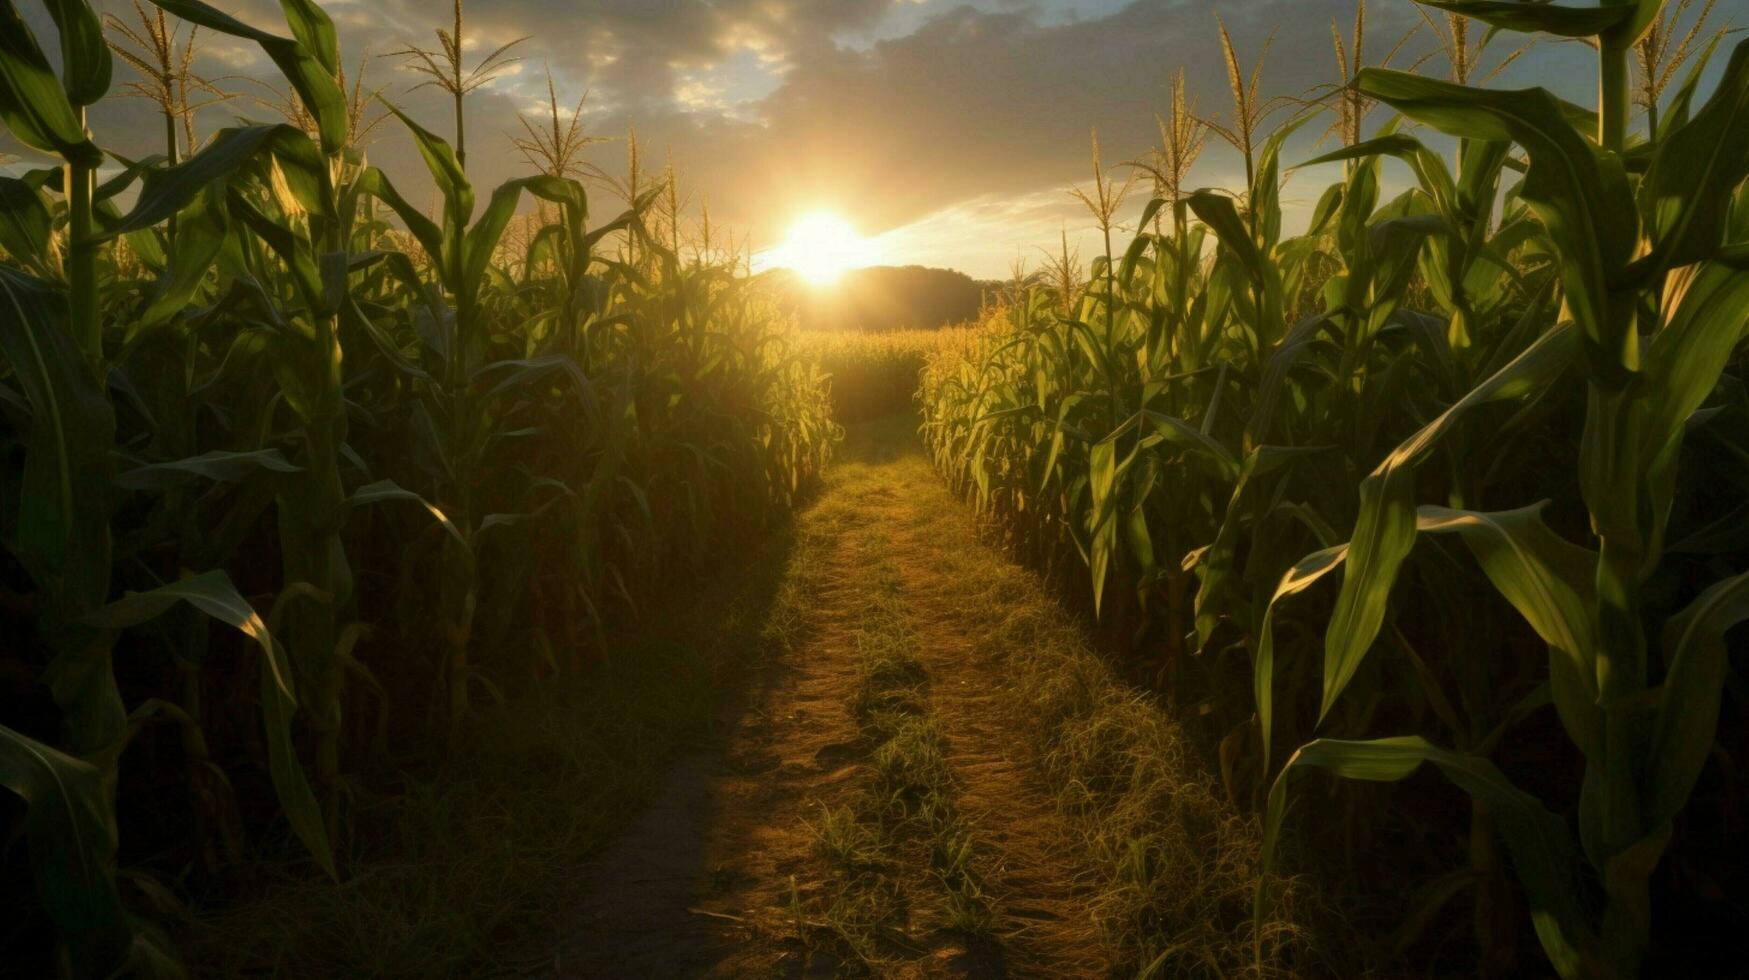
x: 314, y: 30
x: 33, y: 104
x: 482, y: 239
x: 1429, y: 168
x: 430, y: 237
x: 1539, y: 843
x: 1103, y: 471
x: 1687, y: 716
x: 85, y: 59
x: 446, y: 170
x: 72, y: 851
x: 1306, y: 572
x: 201, y: 235
x: 1550, y: 581
x: 1581, y: 195
x: 1534, y: 17
x: 1216, y: 567
x: 214, y: 594
x: 167, y: 192
x: 1707, y: 316
x: 1385, y: 529
x: 218, y: 465
x: 1170, y: 429
x: 387, y: 490
x: 314, y: 82
x: 63, y: 515
x: 26, y: 227
x: 1695, y: 169
x: 291, y: 246
x: 1218, y: 211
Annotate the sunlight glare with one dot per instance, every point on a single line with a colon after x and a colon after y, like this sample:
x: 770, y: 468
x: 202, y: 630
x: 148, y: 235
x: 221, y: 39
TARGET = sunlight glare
x: 822, y: 246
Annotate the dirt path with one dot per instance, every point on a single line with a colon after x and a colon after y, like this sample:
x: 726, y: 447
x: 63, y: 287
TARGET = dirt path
x: 868, y: 806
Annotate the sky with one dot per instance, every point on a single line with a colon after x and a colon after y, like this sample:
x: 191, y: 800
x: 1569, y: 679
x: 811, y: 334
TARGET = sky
x: 949, y: 132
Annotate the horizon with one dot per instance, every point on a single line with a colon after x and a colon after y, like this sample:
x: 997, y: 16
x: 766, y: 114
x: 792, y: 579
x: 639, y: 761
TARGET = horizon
x: 942, y: 133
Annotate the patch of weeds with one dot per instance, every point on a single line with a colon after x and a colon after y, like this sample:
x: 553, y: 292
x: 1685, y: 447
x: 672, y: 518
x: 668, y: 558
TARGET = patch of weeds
x: 910, y: 764
x: 964, y: 908
x: 845, y: 840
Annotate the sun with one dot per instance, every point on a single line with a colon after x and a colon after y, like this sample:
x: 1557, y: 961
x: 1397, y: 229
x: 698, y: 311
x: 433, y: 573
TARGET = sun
x: 822, y: 246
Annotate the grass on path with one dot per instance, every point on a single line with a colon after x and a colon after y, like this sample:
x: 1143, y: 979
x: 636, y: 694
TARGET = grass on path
x: 879, y: 747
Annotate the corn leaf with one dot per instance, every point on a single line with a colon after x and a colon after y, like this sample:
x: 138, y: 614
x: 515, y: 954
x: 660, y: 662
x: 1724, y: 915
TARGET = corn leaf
x: 85, y: 60
x: 1539, y: 842
x: 1694, y: 171
x: 33, y: 104
x: 214, y: 594
x: 1550, y: 582
x: 446, y: 170
x: 1707, y: 311
x: 72, y: 851
x: 314, y: 30
x: 26, y: 228
x: 218, y: 465
x: 1540, y: 18
x: 1581, y: 195
x: 1302, y: 576
x: 1687, y: 715
x: 168, y: 192
x: 63, y: 517
x: 1385, y: 530
x: 387, y: 490
x: 314, y: 81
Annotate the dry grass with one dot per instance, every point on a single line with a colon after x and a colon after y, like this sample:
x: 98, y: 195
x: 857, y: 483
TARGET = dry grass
x: 1175, y: 864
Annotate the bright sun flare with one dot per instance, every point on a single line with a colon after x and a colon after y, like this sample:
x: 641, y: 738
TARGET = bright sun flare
x: 823, y: 246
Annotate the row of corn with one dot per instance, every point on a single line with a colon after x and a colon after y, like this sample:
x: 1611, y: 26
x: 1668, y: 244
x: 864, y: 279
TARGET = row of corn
x: 271, y: 421
x: 1451, y: 481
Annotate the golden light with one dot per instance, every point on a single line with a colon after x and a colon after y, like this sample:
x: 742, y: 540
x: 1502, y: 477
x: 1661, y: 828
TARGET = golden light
x: 822, y: 246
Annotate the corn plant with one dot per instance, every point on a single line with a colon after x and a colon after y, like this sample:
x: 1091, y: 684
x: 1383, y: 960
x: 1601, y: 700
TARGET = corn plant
x: 210, y: 390
x: 1622, y: 256
x: 1446, y: 341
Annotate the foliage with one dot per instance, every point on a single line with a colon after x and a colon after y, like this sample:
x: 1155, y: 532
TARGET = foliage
x: 875, y: 374
x: 407, y: 468
x: 1539, y: 343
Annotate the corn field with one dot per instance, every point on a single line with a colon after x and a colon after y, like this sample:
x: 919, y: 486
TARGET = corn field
x: 292, y: 465
x: 874, y: 373
x: 1429, y: 521
x: 1452, y: 482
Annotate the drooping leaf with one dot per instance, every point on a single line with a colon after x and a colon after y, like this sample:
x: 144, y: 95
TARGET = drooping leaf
x: 34, y: 106
x: 1385, y: 529
x: 1535, y: 17
x: 1695, y: 169
x: 72, y: 841
x: 1581, y: 194
x: 217, y: 465
x: 1687, y: 716
x: 1539, y: 843
x: 63, y: 519
x: 1550, y: 581
x: 168, y: 192
x: 314, y: 82
x: 214, y: 594
x: 85, y: 59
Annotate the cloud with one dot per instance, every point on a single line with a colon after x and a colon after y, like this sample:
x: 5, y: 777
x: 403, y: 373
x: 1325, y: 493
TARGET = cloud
x: 891, y: 111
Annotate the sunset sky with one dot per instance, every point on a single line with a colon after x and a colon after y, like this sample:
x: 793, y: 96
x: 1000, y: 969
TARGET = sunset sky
x: 948, y: 131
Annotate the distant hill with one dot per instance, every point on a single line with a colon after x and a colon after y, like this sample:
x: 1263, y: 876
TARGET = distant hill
x: 882, y: 298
